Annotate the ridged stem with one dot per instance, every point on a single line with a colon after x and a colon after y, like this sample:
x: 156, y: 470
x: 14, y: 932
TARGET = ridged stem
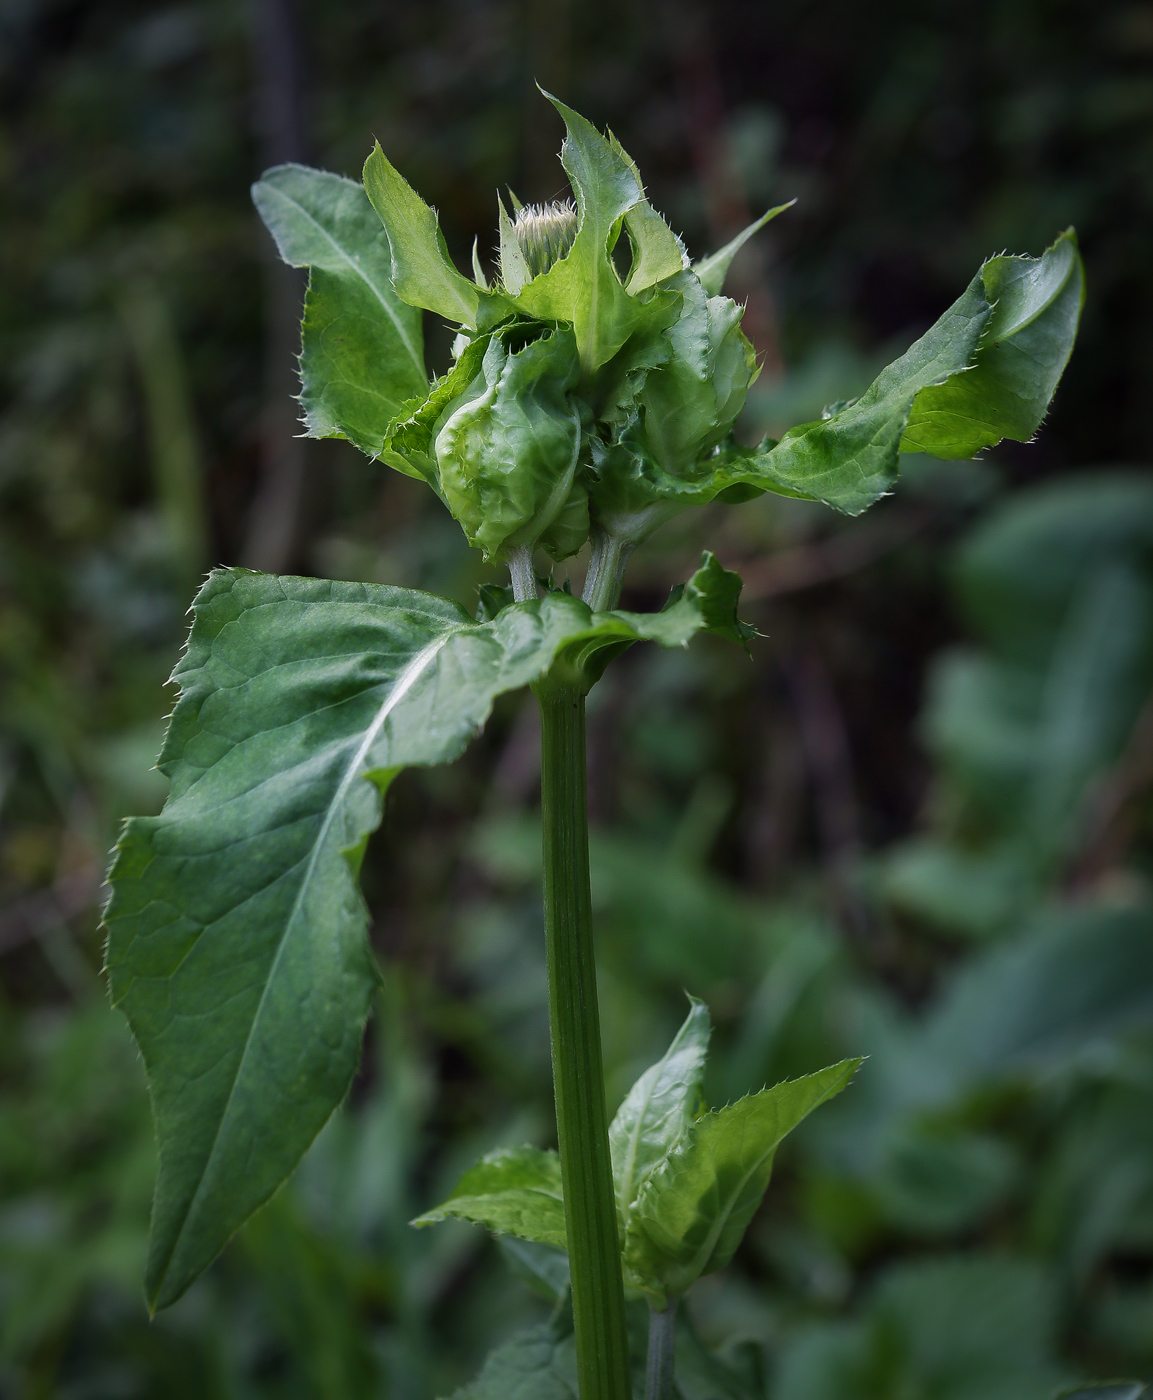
x: 578, y: 1078
x: 606, y: 572
x: 522, y: 575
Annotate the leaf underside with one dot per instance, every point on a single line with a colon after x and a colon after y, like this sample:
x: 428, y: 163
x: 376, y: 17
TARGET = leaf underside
x: 237, y: 935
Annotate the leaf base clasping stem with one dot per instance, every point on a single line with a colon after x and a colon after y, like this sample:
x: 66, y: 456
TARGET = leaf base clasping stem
x: 578, y: 1078
x: 659, y: 1366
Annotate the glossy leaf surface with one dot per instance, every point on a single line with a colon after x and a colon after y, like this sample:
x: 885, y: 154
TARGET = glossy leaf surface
x: 693, y: 1210
x: 516, y: 1191
x: 236, y: 930
x: 507, y: 458
x: 362, y: 348
x: 658, y: 1109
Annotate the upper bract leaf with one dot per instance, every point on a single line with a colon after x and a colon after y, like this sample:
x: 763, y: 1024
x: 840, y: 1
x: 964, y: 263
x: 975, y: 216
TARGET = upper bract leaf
x: 658, y: 1109
x: 713, y: 270
x: 516, y: 1191
x: 362, y: 351
x: 236, y: 930
x: 584, y: 288
x: 693, y: 1210
x: 422, y: 271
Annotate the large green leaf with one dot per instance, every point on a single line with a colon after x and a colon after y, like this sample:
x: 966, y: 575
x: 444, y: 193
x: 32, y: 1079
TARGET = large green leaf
x: 362, y: 352
x: 658, y: 1109
x: 693, y: 1210
x: 236, y: 930
x: 516, y: 1191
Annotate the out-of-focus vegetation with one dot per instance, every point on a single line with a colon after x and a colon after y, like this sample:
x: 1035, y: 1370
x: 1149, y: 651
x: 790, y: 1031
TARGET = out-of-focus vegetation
x: 915, y: 825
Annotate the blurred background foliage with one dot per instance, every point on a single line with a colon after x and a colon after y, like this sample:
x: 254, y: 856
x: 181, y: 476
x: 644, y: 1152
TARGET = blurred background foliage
x: 916, y: 824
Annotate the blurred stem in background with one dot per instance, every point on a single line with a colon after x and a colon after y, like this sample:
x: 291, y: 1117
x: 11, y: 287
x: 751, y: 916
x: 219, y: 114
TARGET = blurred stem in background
x: 274, y: 524
x: 176, y: 454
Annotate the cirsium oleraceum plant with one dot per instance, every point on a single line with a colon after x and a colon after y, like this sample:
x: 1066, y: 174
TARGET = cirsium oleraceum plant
x: 592, y: 396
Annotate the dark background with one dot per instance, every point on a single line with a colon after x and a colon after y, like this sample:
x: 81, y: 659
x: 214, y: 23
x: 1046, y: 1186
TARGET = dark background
x: 749, y: 811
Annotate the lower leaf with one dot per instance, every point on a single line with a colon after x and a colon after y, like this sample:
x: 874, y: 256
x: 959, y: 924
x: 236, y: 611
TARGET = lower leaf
x: 237, y: 935
x: 694, y: 1208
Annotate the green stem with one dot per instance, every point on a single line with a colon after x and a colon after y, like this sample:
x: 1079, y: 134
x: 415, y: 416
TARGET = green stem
x: 574, y: 1019
x: 606, y: 573
x: 659, y: 1366
x: 522, y: 575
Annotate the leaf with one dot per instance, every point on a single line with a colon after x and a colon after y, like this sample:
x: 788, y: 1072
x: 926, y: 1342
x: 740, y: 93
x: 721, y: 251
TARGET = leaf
x: 583, y: 288
x: 537, y: 1365
x: 422, y: 271
x: 923, y: 403
x: 1008, y: 336
x: 713, y: 270
x: 363, y: 350
x: 693, y: 1210
x: 516, y: 1191
x: 544, y: 1267
x: 409, y: 438
x: 236, y: 931
x: 1036, y: 306
x: 507, y: 458
x: 659, y: 1108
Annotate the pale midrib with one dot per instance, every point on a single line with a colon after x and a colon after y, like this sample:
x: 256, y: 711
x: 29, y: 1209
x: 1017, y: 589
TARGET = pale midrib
x: 351, y: 262
x: 408, y: 678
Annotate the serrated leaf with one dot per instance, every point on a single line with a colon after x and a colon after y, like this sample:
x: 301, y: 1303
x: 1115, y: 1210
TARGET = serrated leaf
x: 659, y: 1108
x: 422, y: 271
x: 362, y: 352
x: 713, y: 270
x: 693, y: 1210
x: 1036, y: 306
x: 985, y: 371
x: 584, y: 288
x: 516, y: 1191
x: 236, y: 930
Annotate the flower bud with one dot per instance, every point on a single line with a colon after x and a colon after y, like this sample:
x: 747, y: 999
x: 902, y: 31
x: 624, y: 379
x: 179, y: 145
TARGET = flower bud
x: 539, y: 236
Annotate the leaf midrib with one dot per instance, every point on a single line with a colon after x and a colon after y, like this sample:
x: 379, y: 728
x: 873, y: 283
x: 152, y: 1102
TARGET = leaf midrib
x: 408, y: 677
x: 354, y: 266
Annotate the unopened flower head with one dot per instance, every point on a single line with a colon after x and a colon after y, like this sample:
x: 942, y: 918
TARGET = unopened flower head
x: 545, y: 233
